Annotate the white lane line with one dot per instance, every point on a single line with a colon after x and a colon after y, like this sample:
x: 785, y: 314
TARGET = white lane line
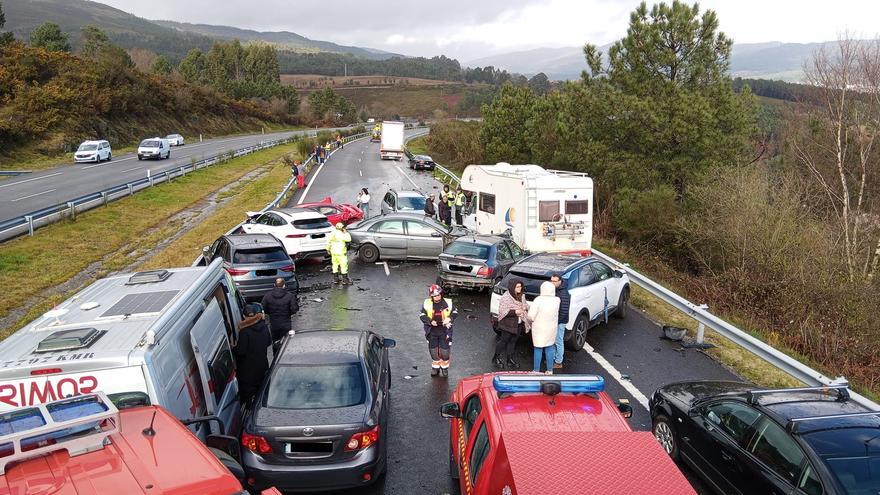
x: 385, y: 264
x: 135, y: 168
x: 32, y: 195
x: 626, y: 384
x: 99, y: 164
x: 361, y: 172
x: 29, y: 180
x: 408, y: 178
x: 311, y: 183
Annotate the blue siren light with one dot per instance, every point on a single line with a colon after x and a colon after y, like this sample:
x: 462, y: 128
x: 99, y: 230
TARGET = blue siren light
x: 574, y: 384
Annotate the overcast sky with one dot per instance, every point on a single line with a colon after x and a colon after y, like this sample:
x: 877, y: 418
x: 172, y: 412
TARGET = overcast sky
x: 469, y: 29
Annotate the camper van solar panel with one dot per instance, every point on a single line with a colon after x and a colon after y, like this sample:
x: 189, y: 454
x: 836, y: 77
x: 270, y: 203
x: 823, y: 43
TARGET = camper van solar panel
x: 148, y: 277
x: 141, y: 302
x: 68, y: 339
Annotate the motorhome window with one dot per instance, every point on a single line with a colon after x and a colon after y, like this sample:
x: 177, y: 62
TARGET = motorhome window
x: 221, y: 367
x: 69, y: 339
x: 148, y: 277
x: 487, y: 203
x: 577, y: 207
x: 548, y: 211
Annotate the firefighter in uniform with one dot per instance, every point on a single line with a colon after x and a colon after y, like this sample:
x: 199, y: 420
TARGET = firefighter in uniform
x: 437, y: 316
x: 337, y: 246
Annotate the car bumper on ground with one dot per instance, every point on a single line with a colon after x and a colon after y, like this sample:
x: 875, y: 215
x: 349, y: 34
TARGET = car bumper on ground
x: 314, y: 477
x: 466, y: 281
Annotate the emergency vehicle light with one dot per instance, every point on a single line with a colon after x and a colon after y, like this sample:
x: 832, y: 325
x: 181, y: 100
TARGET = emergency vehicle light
x: 574, y: 384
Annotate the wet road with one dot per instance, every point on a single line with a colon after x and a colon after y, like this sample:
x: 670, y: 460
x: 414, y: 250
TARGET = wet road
x: 389, y: 304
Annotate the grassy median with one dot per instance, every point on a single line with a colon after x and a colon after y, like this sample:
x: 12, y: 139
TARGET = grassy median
x: 122, y: 233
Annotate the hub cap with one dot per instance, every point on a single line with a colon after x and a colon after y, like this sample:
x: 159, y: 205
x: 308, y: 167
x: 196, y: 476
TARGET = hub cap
x: 663, y: 434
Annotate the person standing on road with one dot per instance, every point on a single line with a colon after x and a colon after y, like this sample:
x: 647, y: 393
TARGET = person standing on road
x: 363, y: 202
x: 327, y: 149
x: 443, y: 205
x: 337, y: 246
x: 298, y: 175
x: 280, y: 304
x: 437, y: 316
x: 544, y: 314
x: 513, y: 319
x: 450, y: 204
x: 339, y: 142
x: 564, y: 304
x: 430, y: 211
x: 251, y: 353
x: 459, y: 205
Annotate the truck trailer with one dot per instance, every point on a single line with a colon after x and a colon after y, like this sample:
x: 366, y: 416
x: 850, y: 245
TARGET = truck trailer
x: 391, y: 146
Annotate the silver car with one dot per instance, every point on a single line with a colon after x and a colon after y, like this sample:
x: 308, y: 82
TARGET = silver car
x: 401, y: 236
x: 403, y: 201
x: 254, y: 261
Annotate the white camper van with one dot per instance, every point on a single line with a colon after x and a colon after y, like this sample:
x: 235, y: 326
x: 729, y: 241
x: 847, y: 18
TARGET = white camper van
x: 544, y: 210
x: 159, y: 337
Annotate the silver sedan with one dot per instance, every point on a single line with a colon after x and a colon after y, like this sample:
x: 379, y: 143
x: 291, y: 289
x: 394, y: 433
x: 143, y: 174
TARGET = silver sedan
x: 401, y: 236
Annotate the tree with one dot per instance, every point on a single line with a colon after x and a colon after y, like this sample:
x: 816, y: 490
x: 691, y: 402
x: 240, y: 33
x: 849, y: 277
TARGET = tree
x: 192, y: 66
x: 6, y: 37
x: 539, y: 84
x: 96, y: 45
x: 49, y: 37
x: 325, y: 104
x: 162, y: 65
x: 504, y: 125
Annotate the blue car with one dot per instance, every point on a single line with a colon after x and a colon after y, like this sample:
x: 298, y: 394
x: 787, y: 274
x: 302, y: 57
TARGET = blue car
x: 478, y: 261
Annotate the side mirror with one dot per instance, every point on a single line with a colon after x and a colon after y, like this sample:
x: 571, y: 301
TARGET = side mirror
x: 224, y: 443
x: 694, y: 412
x: 205, y: 250
x: 625, y: 409
x: 436, y: 234
x: 526, y: 252
x: 389, y: 343
x: 450, y: 410
x: 618, y: 274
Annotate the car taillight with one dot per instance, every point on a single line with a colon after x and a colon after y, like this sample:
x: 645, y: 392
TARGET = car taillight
x: 255, y: 443
x: 234, y: 272
x: 484, y: 271
x: 287, y: 268
x: 295, y: 236
x: 363, y: 439
x: 46, y: 371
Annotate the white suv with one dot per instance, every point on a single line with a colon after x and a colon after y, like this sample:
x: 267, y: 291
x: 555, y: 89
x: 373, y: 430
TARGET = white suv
x: 156, y: 147
x: 597, y: 291
x: 93, y: 151
x: 302, y: 231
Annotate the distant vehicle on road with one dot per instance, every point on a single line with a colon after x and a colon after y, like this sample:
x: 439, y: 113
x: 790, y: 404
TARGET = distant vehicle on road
x: 403, y: 201
x: 175, y: 139
x: 401, y: 236
x: 371, y: 121
x: 478, y: 261
x: 533, y: 434
x: 254, y: 261
x: 320, y: 422
x: 740, y: 439
x: 421, y: 162
x: 336, y: 212
x: 155, y: 148
x: 391, y: 146
x: 597, y: 291
x: 93, y: 151
x: 302, y: 231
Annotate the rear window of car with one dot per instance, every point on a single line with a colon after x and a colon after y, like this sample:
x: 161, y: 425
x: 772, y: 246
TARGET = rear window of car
x: 259, y: 255
x: 410, y: 203
x: 532, y: 283
x: 311, y: 223
x: 468, y: 250
x: 316, y: 386
x: 150, y: 144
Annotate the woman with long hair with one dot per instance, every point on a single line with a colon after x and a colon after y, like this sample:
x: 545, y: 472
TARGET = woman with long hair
x: 513, y: 320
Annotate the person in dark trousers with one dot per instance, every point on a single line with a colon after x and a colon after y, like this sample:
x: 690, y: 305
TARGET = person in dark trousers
x: 280, y: 304
x: 430, y: 210
x: 513, y: 320
x: 564, y: 303
x: 437, y: 316
x: 443, y: 206
x: 251, y: 354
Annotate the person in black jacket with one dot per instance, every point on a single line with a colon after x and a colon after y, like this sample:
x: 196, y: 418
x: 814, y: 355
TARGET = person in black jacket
x: 251, y: 354
x: 564, y: 303
x: 430, y: 210
x: 280, y: 304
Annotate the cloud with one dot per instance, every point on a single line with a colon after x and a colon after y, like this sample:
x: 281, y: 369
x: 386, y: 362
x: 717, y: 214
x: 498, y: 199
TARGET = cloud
x: 399, y: 39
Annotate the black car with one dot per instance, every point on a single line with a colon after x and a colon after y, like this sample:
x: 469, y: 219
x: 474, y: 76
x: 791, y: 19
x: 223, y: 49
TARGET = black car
x: 320, y: 420
x: 423, y: 162
x: 742, y: 440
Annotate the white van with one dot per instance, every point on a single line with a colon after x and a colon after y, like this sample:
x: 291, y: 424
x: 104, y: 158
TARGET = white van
x: 156, y: 147
x: 158, y: 337
x: 93, y: 151
x: 544, y: 210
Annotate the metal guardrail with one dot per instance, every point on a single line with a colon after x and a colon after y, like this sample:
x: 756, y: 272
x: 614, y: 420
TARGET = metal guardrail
x: 14, y: 173
x: 774, y: 357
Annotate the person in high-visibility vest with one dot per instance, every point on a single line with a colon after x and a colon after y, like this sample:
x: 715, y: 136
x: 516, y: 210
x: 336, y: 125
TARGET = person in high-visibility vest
x: 437, y: 316
x: 459, y: 205
x: 337, y: 246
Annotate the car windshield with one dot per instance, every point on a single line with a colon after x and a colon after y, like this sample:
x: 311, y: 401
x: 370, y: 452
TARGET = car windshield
x: 468, y: 249
x: 311, y: 223
x: 411, y: 203
x: 259, y: 255
x: 316, y: 386
x: 852, y: 455
x: 87, y: 147
x: 150, y: 144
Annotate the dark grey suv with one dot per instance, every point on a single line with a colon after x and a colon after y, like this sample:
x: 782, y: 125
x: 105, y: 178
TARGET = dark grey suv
x: 254, y: 261
x: 320, y: 420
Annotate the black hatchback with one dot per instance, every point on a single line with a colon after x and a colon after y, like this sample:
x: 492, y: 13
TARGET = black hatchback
x: 742, y: 440
x: 320, y: 420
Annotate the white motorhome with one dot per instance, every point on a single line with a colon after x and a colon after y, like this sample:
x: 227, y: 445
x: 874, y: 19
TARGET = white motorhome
x: 543, y: 210
x: 391, y: 144
x: 160, y: 337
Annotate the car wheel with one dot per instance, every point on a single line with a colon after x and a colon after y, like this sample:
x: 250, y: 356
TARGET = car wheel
x: 368, y: 253
x: 578, y: 333
x: 109, y: 156
x: 453, y: 468
x: 622, y: 302
x: 140, y: 158
x: 664, y: 432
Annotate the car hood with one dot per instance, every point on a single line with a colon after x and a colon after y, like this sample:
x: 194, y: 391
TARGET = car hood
x: 688, y: 392
x: 269, y: 417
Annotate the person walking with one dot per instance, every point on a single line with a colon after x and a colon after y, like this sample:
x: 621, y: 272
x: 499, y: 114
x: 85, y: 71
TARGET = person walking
x: 459, y: 205
x: 513, y: 319
x: 450, y: 204
x: 251, y: 353
x: 317, y: 153
x: 337, y: 246
x: 340, y: 143
x: 564, y: 304
x: 280, y: 304
x: 298, y: 175
x: 327, y: 149
x: 363, y: 202
x: 437, y: 315
x: 544, y: 314
x: 430, y: 210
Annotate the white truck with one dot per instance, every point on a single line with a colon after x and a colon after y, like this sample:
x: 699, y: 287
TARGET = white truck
x: 542, y: 210
x: 391, y: 145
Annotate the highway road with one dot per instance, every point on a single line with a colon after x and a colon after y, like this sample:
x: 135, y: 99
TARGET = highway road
x: 389, y: 303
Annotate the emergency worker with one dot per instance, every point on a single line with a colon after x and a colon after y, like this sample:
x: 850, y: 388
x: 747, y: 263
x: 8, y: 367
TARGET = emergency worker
x: 459, y: 205
x: 337, y: 246
x: 437, y: 316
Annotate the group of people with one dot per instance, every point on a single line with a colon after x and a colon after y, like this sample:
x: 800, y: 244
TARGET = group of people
x: 322, y: 152
x: 450, y: 201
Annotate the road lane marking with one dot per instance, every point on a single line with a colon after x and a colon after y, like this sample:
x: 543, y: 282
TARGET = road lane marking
x: 385, y: 264
x: 408, y: 178
x: 626, y: 384
x: 135, y: 168
x: 29, y: 180
x: 311, y: 183
x: 32, y: 195
x: 361, y: 172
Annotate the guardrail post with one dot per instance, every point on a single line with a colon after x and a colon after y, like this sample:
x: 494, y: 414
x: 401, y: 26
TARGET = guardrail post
x: 130, y: 189
x: 183, y: 171
x: 149, y: 178
x: 104, y: 197
x: 30, y: 222
x: 701, y: 328
x: 72, y: 207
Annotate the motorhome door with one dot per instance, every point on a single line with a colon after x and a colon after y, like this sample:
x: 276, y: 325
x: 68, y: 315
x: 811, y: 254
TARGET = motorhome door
x: 211, y: 350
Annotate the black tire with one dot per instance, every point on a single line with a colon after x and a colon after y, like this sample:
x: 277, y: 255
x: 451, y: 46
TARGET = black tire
x: 578, y: 333
x: 664, y: 432
x: 368, y: 253
x: 453, y: 468
x: 168, y: 156
x: 140, y: 158
x: 109, y: 156
x: 622, y: 303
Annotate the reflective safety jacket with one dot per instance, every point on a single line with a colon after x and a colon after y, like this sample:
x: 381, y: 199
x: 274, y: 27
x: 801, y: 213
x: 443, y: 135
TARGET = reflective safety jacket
x: 459, y: 199
x: 439, y: 312
x: 337, y: 242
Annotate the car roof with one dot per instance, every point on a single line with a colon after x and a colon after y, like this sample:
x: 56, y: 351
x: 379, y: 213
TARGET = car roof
x: 481, y: 239
x: 788, y: 406
x: 543, y: 263
x: 409, y: 192
x: 421, y: 156
x: 323, y: 347
x: 298, y: 213
x: 252, y: 240
x: 98, y: 141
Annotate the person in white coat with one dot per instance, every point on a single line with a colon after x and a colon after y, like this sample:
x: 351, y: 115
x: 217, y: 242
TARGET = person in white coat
x: 544, y: 313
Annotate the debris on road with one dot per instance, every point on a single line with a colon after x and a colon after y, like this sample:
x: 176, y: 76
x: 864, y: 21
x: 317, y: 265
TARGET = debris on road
x: 351, y: 309
x: 317, y: 299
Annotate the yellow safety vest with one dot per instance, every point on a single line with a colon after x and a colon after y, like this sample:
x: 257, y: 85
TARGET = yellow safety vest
x: 459, y: 199
x: 336, y: 242
x: 450, y: 199
x: 429, y: 308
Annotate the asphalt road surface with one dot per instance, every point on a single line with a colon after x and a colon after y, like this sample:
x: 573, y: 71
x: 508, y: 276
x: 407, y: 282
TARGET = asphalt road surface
x: 389, y: 304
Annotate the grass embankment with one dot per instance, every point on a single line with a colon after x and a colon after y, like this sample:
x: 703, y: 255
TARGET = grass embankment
x: 119, y: 234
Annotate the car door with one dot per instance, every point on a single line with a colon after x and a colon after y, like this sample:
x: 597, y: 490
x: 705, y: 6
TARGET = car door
x: 775, y: 462
x: 503, y: 260
x: 579, y: 282
x: 471, y: 411
x: 605, y: 291
x: 422, y: 240
x: 378, y: 378
x: 390, y: 237
x: 206, y: 337
x: 388, y: 203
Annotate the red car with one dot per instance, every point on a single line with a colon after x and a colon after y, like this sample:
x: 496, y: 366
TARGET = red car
x: 336, y: 212
x: 529, y: 434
